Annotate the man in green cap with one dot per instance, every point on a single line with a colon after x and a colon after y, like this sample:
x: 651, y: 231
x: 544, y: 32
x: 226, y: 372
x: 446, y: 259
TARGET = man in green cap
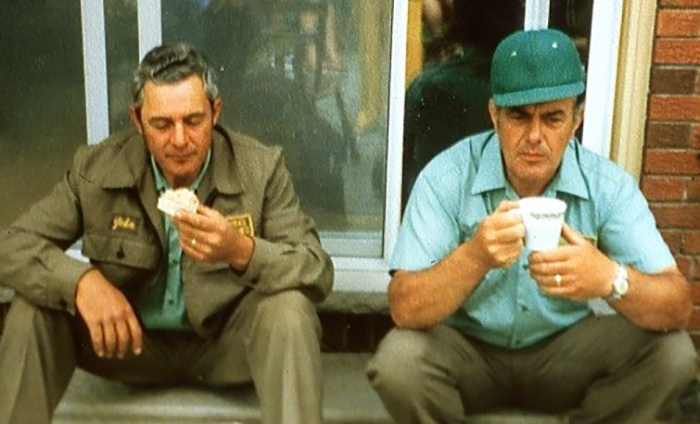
x: 484, y: 322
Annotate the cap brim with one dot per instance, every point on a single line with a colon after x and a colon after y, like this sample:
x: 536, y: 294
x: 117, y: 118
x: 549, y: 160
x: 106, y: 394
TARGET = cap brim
x: 539, y: 95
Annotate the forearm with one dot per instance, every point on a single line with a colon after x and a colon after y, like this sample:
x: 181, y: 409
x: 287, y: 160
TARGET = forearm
x: 659, y: 301
x: 277, y: 266
x: 423, y: 299
x: 39, y: 270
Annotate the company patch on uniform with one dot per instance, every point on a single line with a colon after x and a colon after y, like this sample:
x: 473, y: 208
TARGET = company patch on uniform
x: 124, y: 223
x: 243, y: 223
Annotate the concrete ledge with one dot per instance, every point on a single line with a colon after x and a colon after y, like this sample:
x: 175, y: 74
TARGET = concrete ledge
x: 355, y: 302
x: 348, y: 399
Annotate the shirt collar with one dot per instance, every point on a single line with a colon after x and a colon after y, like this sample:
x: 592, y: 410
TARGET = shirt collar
x: 491, y: 174
x: 162, y: 183
x: 569, y: 179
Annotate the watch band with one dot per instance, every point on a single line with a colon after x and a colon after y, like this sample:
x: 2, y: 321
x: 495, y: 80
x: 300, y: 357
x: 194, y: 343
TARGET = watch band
x: 620, y: 284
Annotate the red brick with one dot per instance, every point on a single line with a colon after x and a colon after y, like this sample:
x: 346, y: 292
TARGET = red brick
x: 664, y: 188
x: 674, y: 240
x: 691, y: 243
x: 694, y: 190
x: 675, y: 22
x: 694, y: 320
x: 694, y: 273
x: 685, y: 265
x: 666, y: 80
x: 677, y: 50
x: 686, y: 3
x: 675, y: 162
x: 674, y: 108
x: 677, y: 216
x: 669, y: 135
x: 695, y: 292
x: 694, y: 137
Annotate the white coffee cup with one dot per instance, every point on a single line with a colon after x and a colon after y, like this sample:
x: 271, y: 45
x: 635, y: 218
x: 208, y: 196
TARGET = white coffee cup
x: 543, y: 218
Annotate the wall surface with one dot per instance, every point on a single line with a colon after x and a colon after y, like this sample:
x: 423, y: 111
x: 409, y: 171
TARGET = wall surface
x: 671, y: 165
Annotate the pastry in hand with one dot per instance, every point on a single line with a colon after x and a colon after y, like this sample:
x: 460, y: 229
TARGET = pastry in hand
x: 173, y: 201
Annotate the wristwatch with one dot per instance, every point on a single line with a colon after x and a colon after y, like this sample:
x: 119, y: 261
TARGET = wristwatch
x: 620, y: 284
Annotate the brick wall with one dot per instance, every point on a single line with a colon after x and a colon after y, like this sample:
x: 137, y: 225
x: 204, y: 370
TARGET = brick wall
x: 671, y: 168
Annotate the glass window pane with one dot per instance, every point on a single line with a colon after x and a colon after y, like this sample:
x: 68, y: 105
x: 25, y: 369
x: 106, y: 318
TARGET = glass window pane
x: 448, y: 99
x: 42, y: 100
x: 121, y: 36
x: 312, y: 77
x: 574, y: 17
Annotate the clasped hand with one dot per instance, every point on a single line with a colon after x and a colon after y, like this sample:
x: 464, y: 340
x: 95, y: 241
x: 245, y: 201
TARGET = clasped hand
x: 208, y: 237
x: 578, y: 271
x: 583, y: 271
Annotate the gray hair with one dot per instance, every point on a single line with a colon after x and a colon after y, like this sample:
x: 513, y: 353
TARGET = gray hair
x: 173, y: 63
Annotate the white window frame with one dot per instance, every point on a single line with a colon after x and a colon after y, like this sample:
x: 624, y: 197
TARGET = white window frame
x: 358, y: 273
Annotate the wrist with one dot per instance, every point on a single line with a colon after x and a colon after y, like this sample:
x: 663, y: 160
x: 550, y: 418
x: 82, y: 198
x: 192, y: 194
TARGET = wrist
x: 242, y: 254
x: 471, y: 258
x: 620, y: 284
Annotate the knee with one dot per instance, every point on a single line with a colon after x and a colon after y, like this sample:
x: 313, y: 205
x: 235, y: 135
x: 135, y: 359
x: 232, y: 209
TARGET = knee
x: 30, y: 328
x: 287, y: 314
x: 396, y: 367
x: 26, y: 320
x: 675, y: 358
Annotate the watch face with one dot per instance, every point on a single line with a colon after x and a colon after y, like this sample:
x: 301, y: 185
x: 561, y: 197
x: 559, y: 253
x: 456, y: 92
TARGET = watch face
x: 621, y: 284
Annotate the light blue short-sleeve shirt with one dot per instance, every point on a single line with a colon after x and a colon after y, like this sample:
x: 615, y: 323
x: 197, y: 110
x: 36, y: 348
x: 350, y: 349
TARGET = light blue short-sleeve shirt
x: 467, y: 182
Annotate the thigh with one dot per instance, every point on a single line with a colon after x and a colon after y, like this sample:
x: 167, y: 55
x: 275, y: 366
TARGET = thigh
x: 261, y: 327
x: 556, y: 374
x: 443, y: 363
x: 158, y: 362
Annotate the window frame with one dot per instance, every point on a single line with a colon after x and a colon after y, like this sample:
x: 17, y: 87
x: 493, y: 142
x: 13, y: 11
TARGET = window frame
x: 360, y: 273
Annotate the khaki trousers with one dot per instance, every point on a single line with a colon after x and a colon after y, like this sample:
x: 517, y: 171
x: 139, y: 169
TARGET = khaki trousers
x: 272, y: 341
x: 601, y: 370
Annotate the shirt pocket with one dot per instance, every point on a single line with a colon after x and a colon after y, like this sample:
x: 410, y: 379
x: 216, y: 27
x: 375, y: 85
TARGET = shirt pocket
x: 124, y: 261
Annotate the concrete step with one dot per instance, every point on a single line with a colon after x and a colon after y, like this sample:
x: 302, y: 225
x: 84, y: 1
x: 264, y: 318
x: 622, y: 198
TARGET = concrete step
x: 348, y: 399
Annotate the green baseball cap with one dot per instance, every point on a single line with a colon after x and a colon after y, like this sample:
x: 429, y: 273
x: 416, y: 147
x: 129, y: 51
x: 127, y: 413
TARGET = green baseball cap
x: 537, y: 66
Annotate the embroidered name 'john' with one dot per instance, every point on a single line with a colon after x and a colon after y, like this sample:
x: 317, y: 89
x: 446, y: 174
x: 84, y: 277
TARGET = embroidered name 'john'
x: 124, y: 223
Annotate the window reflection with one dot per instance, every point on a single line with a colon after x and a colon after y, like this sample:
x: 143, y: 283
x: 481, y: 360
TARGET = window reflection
x: 448, y: 100
x: 122, y: 58
x: 312, y: 77
x: 42, y: 101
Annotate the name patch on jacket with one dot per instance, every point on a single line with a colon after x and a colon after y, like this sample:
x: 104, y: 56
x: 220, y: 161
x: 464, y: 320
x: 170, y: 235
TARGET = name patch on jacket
x: 242, y: 223
x: 124, y: 223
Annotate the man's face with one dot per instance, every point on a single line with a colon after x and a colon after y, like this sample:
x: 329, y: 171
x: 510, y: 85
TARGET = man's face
x: 533, y: 141
x: 177, y: 121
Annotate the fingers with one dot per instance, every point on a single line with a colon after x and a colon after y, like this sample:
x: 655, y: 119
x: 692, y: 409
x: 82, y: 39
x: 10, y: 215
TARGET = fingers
x: 110, y: 340
x: 507, y: 206
x: 116, y: 338
x: 110, y: 319
x: 571, y: 236
x: 204, y: 220
x: 136, y: 335
x: 97, y: 337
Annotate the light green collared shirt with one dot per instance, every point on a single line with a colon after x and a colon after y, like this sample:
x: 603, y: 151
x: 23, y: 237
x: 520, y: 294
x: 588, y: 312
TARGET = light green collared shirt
x: 466, y: 183
x: 162, y: 305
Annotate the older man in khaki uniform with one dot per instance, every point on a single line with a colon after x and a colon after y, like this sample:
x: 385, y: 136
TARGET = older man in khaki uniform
x: 221, y: 296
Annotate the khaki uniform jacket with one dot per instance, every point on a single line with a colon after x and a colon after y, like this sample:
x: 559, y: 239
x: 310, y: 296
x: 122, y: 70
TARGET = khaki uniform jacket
x: 108, y: 198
